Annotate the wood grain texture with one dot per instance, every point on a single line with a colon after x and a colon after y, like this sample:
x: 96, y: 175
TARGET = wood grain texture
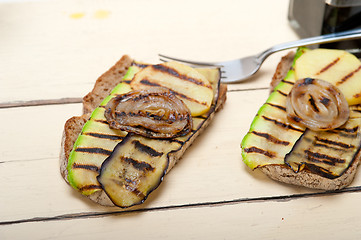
x: 51, y: 53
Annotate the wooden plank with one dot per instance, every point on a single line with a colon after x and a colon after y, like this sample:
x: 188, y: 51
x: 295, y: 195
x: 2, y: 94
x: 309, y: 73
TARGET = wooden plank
x: 29, y: 133
x: 321, y: 217
x: 57, y: 49
x: 210, y: 171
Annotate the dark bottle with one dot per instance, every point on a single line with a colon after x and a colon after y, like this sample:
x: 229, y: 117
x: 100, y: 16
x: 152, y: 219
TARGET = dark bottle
x: 314, y: 17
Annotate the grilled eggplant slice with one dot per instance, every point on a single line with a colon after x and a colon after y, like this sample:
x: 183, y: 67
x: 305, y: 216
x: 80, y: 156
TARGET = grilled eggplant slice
x: 326, y: 153
x: 135, y: 168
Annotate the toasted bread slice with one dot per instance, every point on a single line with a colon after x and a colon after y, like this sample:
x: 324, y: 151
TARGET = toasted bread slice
x: 284, y: 174
x: 102, y: 88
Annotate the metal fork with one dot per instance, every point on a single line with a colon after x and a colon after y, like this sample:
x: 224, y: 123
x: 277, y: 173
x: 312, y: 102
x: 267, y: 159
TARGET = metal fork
x: 238, y: 70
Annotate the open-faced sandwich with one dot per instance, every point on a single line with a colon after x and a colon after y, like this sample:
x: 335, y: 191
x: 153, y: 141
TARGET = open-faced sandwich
x: 137, y: 122
x: 308, y: 133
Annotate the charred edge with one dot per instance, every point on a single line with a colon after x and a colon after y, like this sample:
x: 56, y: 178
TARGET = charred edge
x: 281, y: 124
x: 345, y: 78
x: 312, y: 102
x: 270, y: 138
x: 175, y: 73
x: 86, y: 167
x: 101, y: 121
x: 89, y: 187
x: 94, y: 150
x: 282, y: 93
x: 326, y: 159
x: 288, y: 82
x: 149, y: 83
x: 277, y: 106
x: 334, y: 143
x: 146, y: 149
x: 103, y: 136
x: 328, y: 66
x: 260, y: 151
x: 141, y: 166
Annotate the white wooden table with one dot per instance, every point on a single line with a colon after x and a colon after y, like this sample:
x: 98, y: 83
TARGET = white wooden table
x: 51, y: 53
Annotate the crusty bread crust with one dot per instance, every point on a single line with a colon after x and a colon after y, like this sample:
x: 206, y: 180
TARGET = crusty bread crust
x: 102, y: 88
x: 73, y: 126
x: 282, y: 68
x: 284, y: 174
x: 105, y: 83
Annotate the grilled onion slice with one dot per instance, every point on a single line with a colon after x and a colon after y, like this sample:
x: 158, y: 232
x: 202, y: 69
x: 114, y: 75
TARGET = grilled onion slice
x: 154, y: 113
x: 317, y: 105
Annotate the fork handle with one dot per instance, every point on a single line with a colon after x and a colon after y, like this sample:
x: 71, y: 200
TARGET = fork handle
x: 327, y: 38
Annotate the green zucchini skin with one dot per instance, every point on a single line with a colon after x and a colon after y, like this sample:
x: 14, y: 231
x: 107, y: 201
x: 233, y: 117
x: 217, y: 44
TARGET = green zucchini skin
x: 270, y: 136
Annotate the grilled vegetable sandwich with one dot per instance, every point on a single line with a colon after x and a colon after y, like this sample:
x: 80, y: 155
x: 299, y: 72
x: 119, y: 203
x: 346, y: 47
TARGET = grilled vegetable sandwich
x: 137, y: 122
x: 308, y: 133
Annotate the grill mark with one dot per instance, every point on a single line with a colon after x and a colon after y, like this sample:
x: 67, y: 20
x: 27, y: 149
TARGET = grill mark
x: 141, y: 166
x: 313, y: 104
x: 149, y: 83
x: 348, y: 130
x: 281, y: 124
x: 94, y: 150
x: 86, y: 167
x: 345, y: 78
x: 101, y: 121
x: 103, y: 136
x: 260, y: 151
x: 334, y: 143
x: 282, y: 93
x: 288, y: 82
x: 146, y: 149
x: 175, y: 73
x: 317, y: 157
x: 328, y: 66
x: 270, y: 138
x: 325, y: 101
x: 357, y: 95
x: 154, y: 117
x: 321, y: 145
x: 140, y: 65
x: 277, y: 106
x: 89, y: 187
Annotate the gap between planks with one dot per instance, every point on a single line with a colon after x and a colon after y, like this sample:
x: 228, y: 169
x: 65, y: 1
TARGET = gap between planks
x: 355, y: 189
x: 44, y: 102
